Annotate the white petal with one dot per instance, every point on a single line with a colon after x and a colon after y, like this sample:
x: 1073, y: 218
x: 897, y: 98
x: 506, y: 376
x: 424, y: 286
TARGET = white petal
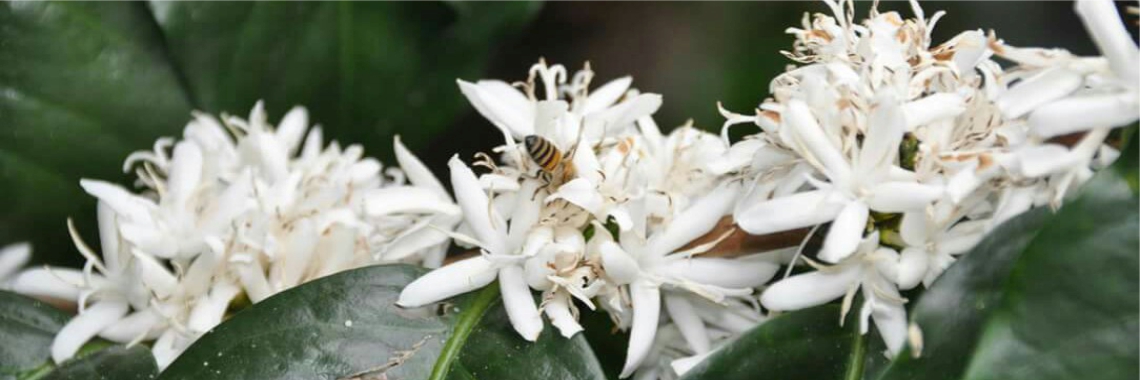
x: 845, y: 234
x: 646, y: 299
x: 167, y: 348
x: 407, y: 200
x: 209, y: 310
x: 725, y: 273
x: 912, y: 267
x: 683, y: 365
x: 109, y: 237
x: 185, y: 173
x: 619, y: 265
x: 487, y: 225
x: 1042, y: 160
x: 449, y: 280
x: 622, y: 115
x: 1082, y: 113
x: 1111, y: 37
x: 582, y: 193
x: 1035, y: 91
x: 698, y: 219
x: 128, y: 205
x: 914, y: 229
x: 943, y: 105
x: 502, y: 105
x: 519, y: 303
x: 156, y: 277
x: 292, y: 128
x: 903, y: 196
x: 131, y: 327
x: 418, y: 173
x: 299, y: 249
x: 885, y: 128
x: 688, y: 322
x: 253, y: 280
x: 412, y: 243
x: 558, y: 311
x: 604, y: 96
x: 55, y: 283
x: 786, y: 213
x: 809, y: 289
x: 890, y: 320
x: 13, y: 257
x: 810, y: 136
x: 84, y: 327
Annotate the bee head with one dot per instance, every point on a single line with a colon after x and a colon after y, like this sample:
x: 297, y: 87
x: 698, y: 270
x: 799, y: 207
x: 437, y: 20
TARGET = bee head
x: 531, y: 141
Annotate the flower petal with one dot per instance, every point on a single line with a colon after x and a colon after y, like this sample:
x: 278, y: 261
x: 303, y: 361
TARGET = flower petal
x: 1111, y: 37
x: 725, y: 273
x: 13, y: 257
x: 809, y: 135
x: 903, y: 196
x: 407, y: 200
x: 646, y: 299
x: 1031, y: 93
x: 809, y: 289
x: 84, y: 327
x: 502, y: 105
x: 912, y: 267
x: 558, y: 310
x: 1085, y: 112
x: 449, y: 280
x: 488, y: 226
x: 846, y: 233
x: 418, y: 173
x: 605, y: 96
x: 939, y: 106
x: 688, y: 322
x: 885, y: 128
x: 519, y: 303
x: 786, y: 213
x: 698, y: 219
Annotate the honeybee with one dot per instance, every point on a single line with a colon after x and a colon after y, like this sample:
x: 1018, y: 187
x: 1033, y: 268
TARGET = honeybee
x: 553, y: 164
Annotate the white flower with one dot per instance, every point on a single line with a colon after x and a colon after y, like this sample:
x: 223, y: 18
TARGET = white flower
x: 13, y: 257
x: 253, y: 214
x: 504, y: 251
x: 645, y: 264
x: 871, y: 269
x: 856, y: 185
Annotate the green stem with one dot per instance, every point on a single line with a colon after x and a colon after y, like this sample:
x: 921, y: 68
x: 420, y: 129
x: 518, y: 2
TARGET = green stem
x: 855, y: 361
x: 468, y: 319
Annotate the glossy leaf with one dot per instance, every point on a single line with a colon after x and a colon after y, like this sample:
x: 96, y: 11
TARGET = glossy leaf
x: 113, y: 363
x: 803, y: 344
x: 27, y: 327
x: 347, y: 325
x: 81, y: 86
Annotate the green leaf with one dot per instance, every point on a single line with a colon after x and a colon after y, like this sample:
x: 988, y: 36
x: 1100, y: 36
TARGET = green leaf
x: 27, y: 327
x: 803, y: 344
x: 82, y: 85
x: 347, y: 325
x: 116, y: 362
x: 1055, y: 304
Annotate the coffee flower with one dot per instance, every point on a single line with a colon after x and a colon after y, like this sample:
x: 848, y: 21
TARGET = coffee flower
x: 237, y: 210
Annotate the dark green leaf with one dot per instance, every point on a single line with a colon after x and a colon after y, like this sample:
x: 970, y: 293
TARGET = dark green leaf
x: 1055, y: 304
x: 81, y: 86
x: 113, y: 363
x: 804, y: 344
x: 305, y: 333
x: 27, y: 327
x: 330, y: 328
x: 496, y: 351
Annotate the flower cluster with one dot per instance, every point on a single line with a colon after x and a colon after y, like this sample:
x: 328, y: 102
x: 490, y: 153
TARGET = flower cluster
x: 591, y: 202
x: 910, y: 153
x: 899, y: 153
x: 233, y: 213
